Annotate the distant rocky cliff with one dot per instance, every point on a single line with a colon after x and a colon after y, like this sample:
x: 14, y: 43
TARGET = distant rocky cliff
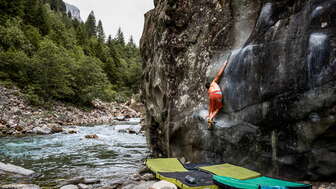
x: 75, y: 12
x: 279, y: 87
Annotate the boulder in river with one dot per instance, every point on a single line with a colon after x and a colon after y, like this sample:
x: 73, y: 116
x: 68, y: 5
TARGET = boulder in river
x: 20, y: 186
x: 94, y: 136
x: 71, y: 131
x: 15, y: 169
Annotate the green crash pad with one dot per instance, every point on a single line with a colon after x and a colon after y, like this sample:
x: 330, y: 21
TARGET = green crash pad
x: 171, y: 170
x: 258, y: 183
x: 165, y: 165
x: 231, y: 171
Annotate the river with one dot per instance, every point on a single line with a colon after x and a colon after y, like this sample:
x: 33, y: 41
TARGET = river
x: 114, y: 155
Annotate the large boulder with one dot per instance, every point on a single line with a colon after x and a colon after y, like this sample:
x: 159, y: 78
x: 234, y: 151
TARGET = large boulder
x: 7, y: 167
x: 163, y: 185
x: 279, y: 87
x: 19, y: 186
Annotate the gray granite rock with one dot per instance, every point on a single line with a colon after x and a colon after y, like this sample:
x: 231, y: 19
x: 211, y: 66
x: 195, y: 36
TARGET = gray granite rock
x: 69, y: 187
x: 279, y: 86
x: 19, y: 186
x: 15, y: 169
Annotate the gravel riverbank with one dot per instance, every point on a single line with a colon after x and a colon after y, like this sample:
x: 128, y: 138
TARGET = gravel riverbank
x: 18, y: 117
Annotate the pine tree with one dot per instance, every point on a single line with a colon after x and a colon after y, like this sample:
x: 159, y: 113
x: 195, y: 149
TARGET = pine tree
x: 90, y: 25
x: 31, y: 11
x: 100, y: 32
x: 109, y: 41
x: 120, y: 37
x: 69, y: 15
x: 42, y: 20
x: 131, y: 42
x: 57, y: 5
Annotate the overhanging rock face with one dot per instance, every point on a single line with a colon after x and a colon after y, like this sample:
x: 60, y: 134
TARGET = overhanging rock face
x: 279, y: 88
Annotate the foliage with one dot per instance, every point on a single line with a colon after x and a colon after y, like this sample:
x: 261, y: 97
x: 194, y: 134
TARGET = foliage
x: 100, y: 31
x: 90, y: 24
x: 52, y: 57
x: 120, y: 37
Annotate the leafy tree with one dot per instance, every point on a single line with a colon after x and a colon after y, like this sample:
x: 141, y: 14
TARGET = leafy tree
x: 51, y: 72
x: 52, y: 57
x: 11, y: 8
x: 33, y: 35
x: 42, y: 20
x: 91, y: 25
x: 15, y: 66
x: 12, y: 37
x: 100, y: 32
x: 90, y: 80
x: 31, y: 8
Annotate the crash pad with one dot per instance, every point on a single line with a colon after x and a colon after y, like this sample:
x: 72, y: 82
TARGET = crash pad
x: 258, y: 183
x: 193, y: 179
x: 231, y: 171
x: 165, y: 165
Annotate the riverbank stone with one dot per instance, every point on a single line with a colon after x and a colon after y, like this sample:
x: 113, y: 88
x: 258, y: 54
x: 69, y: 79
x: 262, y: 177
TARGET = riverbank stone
x: 69, y: 187
x: 84, y: 186
x: 163, y: 185
x: 44, y: 130
x: 15, y: 169
x: 144, y: 185
x: 19, y: 186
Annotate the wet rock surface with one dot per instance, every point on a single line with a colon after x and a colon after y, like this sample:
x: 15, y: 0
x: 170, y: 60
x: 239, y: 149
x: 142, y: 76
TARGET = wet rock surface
x: 15, y: 169
x: 279, y: 87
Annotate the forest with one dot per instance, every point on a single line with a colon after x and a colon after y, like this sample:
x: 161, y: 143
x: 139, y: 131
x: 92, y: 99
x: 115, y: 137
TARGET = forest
x: 52, y: 57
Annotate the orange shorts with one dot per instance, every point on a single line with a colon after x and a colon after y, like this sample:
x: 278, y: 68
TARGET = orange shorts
x: 215, y: 102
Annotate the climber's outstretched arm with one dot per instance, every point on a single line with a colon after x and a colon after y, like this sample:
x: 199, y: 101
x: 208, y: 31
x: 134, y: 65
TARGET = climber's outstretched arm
x: 220, y: 73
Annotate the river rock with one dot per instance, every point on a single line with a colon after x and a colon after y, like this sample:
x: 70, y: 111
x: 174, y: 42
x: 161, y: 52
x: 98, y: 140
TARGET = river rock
x: 144, y: 170
x: 84, y: 186
x: 69, y: 187
x: 278, y: 88
x: 144, y: 185
x: 42, y: 130
x: 163, y: 185
x: 55, y: 128
x: 94, y: 136
x: 91, y: 181
x: 71, y: 131
x: 19, y: 128
x: 148, y: 177
x: 19, y: 186
x: 15, y: 169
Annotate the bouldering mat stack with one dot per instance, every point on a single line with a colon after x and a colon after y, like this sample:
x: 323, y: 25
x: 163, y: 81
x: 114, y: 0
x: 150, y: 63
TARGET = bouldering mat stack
x: 257, y: 183
x: 171, y: 170
x: 210, y: 176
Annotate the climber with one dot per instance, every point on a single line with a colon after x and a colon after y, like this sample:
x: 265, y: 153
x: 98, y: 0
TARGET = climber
x: 215, y: 96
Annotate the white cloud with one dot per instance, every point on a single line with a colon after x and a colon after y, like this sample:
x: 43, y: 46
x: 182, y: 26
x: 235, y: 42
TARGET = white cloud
x: 127, y: 14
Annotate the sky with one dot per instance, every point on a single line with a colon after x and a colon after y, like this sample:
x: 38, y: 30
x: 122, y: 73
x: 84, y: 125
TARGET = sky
x: 127, y: 14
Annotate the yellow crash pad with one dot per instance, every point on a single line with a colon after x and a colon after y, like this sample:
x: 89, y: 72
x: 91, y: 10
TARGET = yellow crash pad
x: 232, y: 171
x: 165, y: 165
